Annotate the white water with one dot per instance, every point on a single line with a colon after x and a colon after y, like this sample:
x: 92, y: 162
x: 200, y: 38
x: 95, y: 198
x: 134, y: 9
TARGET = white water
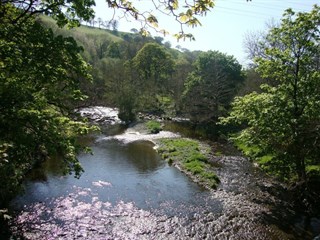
x: 98, y: 113
x: 131, y: 136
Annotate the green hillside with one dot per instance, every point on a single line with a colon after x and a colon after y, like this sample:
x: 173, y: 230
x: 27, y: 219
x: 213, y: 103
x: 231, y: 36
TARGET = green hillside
x: 90, y: 31
x: 111, y: 54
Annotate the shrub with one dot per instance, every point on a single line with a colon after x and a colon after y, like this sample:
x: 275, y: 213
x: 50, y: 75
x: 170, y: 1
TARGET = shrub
x: 154, y: 126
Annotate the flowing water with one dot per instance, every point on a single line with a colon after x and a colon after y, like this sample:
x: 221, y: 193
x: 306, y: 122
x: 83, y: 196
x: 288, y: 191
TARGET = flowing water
x: 128, y: 192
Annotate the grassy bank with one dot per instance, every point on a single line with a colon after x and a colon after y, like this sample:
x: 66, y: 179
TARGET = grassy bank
x: 191, y: 157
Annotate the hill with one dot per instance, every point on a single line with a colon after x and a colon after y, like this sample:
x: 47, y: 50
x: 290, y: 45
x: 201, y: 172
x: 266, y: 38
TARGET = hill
x: 110, y: 53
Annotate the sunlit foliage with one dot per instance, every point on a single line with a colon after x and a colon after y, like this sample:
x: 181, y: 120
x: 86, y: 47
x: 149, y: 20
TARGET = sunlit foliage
x: 39, y: 80
x: 282, y: 123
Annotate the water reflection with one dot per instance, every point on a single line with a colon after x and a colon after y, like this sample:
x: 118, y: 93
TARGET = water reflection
x: 116, y: 172
x: 139, y: 155
x: 128, y: 192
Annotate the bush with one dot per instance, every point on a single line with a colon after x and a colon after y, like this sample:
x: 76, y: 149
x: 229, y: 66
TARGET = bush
x: 154, y: 126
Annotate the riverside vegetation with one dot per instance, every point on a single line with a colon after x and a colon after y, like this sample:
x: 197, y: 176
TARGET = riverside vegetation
x: 190, y: 156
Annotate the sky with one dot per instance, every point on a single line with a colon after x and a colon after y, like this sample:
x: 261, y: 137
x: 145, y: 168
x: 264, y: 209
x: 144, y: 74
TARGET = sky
x: 223, y: 28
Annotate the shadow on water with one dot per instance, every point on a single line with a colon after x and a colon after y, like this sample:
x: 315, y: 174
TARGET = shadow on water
x: 185, y: 128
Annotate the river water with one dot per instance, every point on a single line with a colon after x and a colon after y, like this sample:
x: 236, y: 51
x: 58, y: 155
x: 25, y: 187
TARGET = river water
x: 128, y: 192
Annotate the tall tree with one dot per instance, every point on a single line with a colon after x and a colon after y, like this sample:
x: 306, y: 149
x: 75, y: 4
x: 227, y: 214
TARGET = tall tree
x: 255, y: 42
x: 154, y: 66
x: 283, y: 122
x: 100, y: 22
x: 183, y: 68
x: 39, y: 80
x: 211, y: 86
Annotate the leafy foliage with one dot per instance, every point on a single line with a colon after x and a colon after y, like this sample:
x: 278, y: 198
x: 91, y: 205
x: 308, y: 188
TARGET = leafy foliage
x: 39, y: 81
x: 211, y: 86
x: 154, y: 126
x: 283, y: 121
x: 64, y: 12
x: 153, y: 64
x: 154, y: 67
x: 72, y: 12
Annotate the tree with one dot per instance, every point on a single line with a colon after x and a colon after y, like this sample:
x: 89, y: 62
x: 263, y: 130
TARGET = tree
x: 100, y: 22
x: 114, y: 25
x: 167, y: 44
x: 154, y: 66
x: 183, y: 68
x: 65, y: 12
x: 211, y: 86
x: 282, y: 123
x: 69, y: 12
x: 159, y: 40
x: 39, y: 83
x: 120, y: 89
x: 134, y: 30
x: 256, y: 41
x: 102, y: 47
x: 113, y: 50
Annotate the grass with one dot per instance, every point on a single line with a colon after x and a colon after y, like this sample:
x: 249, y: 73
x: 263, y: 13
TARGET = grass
x: 153, y: 126
x: 192, y: 157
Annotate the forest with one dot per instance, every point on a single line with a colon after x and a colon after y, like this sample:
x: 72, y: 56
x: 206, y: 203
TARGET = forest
x: 270, y: 110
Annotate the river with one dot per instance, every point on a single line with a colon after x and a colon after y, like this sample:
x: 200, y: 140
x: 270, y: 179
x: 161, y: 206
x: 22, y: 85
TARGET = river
x: 128, y: 192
